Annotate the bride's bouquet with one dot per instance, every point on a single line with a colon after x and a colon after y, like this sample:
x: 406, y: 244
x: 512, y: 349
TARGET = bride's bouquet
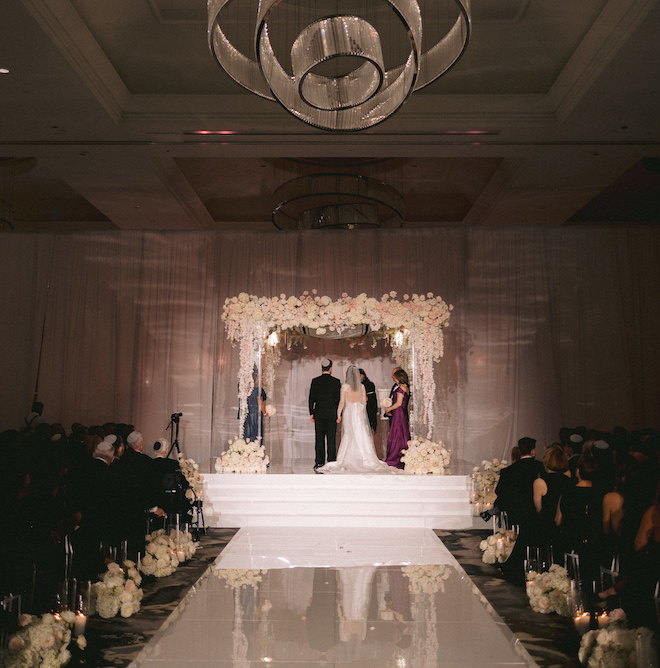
x: 270, y: 410
x: 243, y: 456
x: 426, y: 457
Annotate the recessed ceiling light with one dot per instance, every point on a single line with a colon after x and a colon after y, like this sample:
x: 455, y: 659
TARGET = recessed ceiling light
x: 4, y: 70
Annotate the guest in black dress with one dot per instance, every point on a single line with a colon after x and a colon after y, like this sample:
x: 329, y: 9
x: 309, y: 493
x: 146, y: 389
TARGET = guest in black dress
x: 580, y: 518
x: 372, y: 402
x: 548, y: 489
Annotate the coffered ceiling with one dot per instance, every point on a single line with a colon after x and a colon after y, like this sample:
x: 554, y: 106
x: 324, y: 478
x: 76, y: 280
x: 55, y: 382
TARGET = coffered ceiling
x: 114, y: 116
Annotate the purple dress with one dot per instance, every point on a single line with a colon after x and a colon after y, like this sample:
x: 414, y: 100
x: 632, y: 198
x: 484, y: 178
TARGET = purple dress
x: 399, y: 435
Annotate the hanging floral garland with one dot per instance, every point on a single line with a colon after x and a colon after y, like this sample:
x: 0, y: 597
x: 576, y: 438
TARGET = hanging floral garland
x: 414, y: 328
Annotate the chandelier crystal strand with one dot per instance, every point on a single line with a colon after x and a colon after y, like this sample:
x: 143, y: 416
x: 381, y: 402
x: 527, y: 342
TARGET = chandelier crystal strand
x: 361, y: 98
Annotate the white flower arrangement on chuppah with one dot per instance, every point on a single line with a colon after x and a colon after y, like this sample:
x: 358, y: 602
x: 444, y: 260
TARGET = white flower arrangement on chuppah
x: 414, y: 325
x: 498, y: 546
x: 160, y: 557
x: 240, y: 578
x: 485, y: 479
x: 243, y: 456
x: 549, y: 591
x: 614, y: 646
x: 42, y: 641
x: 118, y: 591
x: 270, y: 410
x: 190, y: 470
x: 426, y: 579
x: 426, y: 457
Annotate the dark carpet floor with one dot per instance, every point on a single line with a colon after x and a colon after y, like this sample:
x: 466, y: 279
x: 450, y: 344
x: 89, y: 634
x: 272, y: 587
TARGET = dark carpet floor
x: 550, y: 640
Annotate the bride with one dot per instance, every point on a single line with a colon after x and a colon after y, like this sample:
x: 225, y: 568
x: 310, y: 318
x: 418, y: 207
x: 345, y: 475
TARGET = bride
x: 356, y: 451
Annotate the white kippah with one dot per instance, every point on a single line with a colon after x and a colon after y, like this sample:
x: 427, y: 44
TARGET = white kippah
x: 601, y: 445
x: 575, y: 438
x: 110, y: 438
x: 326, y: 362
x: 134, y: 437
x: 105, y: 447
x: 55, y: 438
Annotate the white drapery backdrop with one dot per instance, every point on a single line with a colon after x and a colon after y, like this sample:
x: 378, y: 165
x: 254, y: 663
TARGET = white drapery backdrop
x: 550, y: 328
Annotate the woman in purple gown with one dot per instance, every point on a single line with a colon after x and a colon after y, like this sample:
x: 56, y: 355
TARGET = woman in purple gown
x: 399, y: 435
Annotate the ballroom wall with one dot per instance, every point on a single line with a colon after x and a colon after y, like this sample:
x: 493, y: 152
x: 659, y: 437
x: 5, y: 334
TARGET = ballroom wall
x: 550, y: 327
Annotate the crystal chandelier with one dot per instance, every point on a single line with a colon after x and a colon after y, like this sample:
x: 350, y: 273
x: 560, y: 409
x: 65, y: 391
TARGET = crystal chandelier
x: 336, y: 201
x: 345, y: 70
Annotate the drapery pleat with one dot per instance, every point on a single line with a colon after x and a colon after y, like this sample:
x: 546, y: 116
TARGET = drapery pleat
x: 550, y: 328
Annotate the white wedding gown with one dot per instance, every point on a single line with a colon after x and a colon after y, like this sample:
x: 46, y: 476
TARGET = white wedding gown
x: 356, y: 451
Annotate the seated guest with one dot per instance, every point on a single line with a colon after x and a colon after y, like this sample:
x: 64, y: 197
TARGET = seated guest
x: 97, y: 517
x: 548, y: 489
x: 139, y: 492
x: 172, y: 483
x: 579, y: 516
x: 574, y: 451
x: 515, y: 496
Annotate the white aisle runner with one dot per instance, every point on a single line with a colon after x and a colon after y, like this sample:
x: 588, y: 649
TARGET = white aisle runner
x: 300, y: 597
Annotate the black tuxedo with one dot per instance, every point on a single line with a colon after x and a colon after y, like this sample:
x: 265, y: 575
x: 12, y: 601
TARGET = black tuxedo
x: 515, y: 494
x: 324, y: 395
x: 372, y: 403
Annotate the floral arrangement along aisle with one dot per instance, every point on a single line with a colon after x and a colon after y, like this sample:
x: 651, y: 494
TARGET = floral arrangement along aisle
x: 160, y: 559
x: 484, y: 482
x: 498, y: 546
x: 414, y: 325
x: 425, y: 457
x: 42, y: 641
x: 548, y: 592
x: 240, y: 578
x: 118, y: 591
x: 615, y: 645
x: 183, y: 544
x: 190, y: 472
x: 243, y: 456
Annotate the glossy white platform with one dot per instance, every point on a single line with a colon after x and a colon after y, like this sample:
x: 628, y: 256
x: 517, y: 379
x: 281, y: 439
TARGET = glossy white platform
x: 274, y: 499
x: 318, y: 597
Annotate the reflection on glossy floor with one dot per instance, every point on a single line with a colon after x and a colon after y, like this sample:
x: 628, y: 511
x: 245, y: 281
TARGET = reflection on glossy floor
x: 306, y: 597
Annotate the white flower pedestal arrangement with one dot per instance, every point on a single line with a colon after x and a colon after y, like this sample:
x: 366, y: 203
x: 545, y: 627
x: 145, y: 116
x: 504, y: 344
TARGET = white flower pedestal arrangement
x: 160, y: 559
x: 118, y: 591
x: 243, y: 456
x: 426, y: 457
x: 484, y: 482
x: 549, y: 591
x: 616, y: 645
x: 42, y: 641
x: 498, y: 546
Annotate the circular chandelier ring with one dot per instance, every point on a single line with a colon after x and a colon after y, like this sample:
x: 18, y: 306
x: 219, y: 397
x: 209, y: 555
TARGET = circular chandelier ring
x: 332, y: 38
x: 335, y: 111
x: 397, y: 85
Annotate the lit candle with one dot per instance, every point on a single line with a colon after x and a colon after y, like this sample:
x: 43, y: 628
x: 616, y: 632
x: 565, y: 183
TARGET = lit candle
x: 499, y: 547
x: 477, y: 507
x: 181, y: 555
x: 488, y: 505
x: 582, y: 622
x: 603, y: 620
x: 79, y: 625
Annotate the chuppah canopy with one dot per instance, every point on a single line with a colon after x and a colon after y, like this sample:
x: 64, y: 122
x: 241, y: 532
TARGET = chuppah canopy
x: 413, y: 328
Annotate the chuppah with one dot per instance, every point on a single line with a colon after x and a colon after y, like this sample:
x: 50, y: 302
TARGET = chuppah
x: 262, y: 328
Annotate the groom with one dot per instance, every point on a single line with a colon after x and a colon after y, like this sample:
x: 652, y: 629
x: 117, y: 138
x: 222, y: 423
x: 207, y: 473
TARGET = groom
x: 324, y: 396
